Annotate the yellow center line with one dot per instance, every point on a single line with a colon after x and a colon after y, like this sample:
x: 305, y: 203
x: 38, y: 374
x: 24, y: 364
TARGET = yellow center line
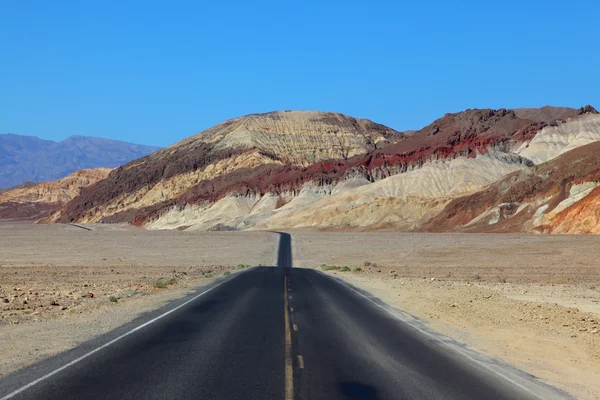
x: 289, y: 373
x: 300, y: 361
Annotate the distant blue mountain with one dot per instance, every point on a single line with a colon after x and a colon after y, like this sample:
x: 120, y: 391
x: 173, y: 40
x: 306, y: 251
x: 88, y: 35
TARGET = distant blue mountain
x: 28, y: 158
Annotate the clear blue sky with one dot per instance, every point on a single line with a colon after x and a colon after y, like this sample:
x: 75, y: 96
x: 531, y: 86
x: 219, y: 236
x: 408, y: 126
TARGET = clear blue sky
x: 154, y: 72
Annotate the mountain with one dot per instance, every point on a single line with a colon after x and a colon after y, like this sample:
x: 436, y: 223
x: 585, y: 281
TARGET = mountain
x: 28, y: 158
x: 547, y: 113
x: 559, y: 196
x: 35, y: 201
x: 301, y: 169
x: 24, y: 185
x: 472, y: 149
x: 237, y: 156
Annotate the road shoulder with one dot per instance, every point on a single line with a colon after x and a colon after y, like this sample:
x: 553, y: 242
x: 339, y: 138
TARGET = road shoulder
x: 545, y: 340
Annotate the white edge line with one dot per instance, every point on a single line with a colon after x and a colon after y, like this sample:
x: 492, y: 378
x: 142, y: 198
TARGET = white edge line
x: 105, y: 345
x: 442, y: 342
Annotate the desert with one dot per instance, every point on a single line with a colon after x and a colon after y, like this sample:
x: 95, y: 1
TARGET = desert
x: 531, y: 300
x: 319, y: 200
x: 480, y: 226
x: 536, y: 314
x: 57, y: 281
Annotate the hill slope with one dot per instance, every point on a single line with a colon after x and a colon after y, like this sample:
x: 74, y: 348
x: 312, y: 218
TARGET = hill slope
x: 327, y: 171
x: 559, y: 196
x: 28, y: 158
x: 254, y: 150
x: 32, y: 202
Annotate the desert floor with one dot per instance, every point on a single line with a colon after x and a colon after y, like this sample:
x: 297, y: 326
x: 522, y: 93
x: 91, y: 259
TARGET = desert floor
x: 531, y: 300
x: 56, y: 280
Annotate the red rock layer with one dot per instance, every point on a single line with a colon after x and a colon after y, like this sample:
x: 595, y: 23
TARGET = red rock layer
x: 552, y: 179
x: 461, y: 134
x: 581, y: 217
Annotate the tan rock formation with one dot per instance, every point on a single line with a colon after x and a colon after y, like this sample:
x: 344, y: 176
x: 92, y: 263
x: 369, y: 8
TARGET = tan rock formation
x: 559, y: 196
x: 303, y: 169
x: 37, y: 201
x: 62, y: 190
x: 290, y: 138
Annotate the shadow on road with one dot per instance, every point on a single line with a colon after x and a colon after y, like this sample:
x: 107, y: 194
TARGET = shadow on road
x: 284, y: 256
x: 358, y: 391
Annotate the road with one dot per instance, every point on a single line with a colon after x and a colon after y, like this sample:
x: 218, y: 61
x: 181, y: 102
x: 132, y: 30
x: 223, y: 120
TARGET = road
x: 273, y: 333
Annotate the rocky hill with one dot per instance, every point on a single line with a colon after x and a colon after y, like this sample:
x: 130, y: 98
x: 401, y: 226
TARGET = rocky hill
x: 558, y: 196
x: 40, y: 200
x: 243, y: 152
x: 299, y: 169
x: 547, y: 113
x: 28, y: 158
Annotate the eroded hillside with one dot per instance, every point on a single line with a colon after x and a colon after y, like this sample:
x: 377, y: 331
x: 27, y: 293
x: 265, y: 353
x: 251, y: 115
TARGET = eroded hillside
x: 559, y: 196
x: 34, y: 201
x: 221, y: 159
x: 328, y: 171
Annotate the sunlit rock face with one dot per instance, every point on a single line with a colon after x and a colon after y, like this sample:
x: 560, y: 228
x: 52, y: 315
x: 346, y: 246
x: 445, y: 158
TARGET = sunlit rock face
x: 304, y: 169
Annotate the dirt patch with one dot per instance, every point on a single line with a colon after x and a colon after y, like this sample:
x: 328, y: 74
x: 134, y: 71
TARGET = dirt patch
x: 122, y: 245
x: 32, y: 294
x: 524, y: 258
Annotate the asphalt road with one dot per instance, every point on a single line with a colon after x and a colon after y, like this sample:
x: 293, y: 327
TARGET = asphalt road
x: 273, y: 333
